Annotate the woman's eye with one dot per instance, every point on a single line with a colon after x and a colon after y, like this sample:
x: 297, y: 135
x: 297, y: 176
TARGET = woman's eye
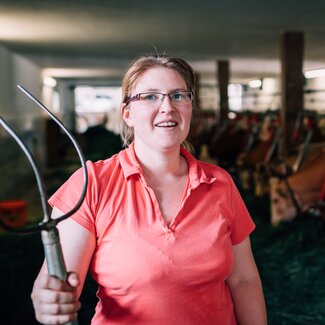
x: 177, y: 96
x: 149, y: 97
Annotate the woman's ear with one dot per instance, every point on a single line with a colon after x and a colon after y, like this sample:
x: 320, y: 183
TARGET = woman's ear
x: 126, y: 115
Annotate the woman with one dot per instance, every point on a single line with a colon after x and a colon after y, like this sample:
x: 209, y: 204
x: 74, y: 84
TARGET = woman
x: 166, y: 237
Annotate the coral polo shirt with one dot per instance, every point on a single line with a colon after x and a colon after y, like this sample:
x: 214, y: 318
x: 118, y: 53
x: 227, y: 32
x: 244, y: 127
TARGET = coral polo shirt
x: 148, y: 272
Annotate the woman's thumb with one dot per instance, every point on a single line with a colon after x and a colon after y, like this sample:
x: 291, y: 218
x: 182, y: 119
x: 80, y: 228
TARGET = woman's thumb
x: 73, y: 279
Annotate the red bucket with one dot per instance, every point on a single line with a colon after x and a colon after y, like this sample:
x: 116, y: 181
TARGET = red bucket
x: 13, y: 212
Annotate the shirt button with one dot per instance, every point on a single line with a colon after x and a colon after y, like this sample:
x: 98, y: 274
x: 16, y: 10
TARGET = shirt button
x: 170, y: 235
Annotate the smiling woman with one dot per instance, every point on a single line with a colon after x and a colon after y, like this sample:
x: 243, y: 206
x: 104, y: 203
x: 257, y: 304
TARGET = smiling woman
x: 165, y: 236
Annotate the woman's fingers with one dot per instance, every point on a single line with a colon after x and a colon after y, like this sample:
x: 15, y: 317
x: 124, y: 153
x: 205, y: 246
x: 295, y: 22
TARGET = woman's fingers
x: 55, y: 301
x: 56, y: 319
x: 54, y: 296
x: 51, y: 282
x: 59, y: 309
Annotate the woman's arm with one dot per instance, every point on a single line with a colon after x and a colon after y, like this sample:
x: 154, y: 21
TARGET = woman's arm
x: 246, y: 288
x: 55, y: 301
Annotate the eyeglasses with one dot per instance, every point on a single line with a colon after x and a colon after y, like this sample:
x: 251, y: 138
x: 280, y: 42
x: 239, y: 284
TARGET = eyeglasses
x: 155, y: 99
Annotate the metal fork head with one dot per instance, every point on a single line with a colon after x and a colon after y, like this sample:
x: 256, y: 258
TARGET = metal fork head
x: 47, y: 223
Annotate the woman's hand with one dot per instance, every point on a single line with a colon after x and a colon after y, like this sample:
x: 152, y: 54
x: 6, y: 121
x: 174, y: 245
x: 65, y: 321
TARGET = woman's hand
x: 55, y: 301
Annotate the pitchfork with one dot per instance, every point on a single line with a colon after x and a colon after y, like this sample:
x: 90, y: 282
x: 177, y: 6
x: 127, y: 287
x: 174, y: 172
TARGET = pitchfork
x: 47, y: 227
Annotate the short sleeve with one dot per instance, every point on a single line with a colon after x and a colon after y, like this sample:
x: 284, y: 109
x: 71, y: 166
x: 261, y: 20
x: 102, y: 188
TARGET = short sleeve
x: 242, y: 224
x: 66, y: 197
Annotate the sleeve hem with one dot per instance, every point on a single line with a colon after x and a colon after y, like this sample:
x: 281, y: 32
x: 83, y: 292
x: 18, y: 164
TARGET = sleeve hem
x: 242, y: 237
x: 54, y: 201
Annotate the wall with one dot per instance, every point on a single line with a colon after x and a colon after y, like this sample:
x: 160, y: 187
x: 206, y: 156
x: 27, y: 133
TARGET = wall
x: 269, y: 97
x: 264, y: 98
x: 24, y: 117
x: 315, y: 96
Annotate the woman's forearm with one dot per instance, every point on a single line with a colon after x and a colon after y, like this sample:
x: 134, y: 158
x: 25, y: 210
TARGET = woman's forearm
x: 249, y: 302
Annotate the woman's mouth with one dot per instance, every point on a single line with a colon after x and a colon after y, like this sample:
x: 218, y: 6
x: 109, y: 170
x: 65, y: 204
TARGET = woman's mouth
x: 166, y: 124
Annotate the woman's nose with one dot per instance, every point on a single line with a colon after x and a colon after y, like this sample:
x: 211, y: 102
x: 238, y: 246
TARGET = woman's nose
x: 166, y: 105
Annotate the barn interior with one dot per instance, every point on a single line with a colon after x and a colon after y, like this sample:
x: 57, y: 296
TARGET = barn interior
x: 260, y: 114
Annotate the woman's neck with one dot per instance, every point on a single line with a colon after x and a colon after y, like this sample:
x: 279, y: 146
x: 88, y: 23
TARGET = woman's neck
x: 158, y: 162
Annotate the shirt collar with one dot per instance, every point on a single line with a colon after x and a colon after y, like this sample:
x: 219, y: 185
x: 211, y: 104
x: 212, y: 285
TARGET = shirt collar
x: 129, y: 162
x: 130, y: 166
x: 197, y: 174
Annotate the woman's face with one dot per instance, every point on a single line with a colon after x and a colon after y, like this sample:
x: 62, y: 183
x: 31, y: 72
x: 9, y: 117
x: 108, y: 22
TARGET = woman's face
x: 165, y: 125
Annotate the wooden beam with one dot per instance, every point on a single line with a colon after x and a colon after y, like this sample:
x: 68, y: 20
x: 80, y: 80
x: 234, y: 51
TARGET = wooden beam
x: 292, y: 81
x: 223, y: 82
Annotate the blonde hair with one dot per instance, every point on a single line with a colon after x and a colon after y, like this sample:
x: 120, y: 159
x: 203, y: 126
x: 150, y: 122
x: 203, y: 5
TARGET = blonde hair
x: 136, y: 70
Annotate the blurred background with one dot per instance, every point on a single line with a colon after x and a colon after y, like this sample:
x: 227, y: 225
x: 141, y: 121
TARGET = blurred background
x: 260, y: 113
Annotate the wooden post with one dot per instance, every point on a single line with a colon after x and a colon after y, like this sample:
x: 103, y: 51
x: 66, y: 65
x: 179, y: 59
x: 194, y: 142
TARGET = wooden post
x: 223, y: 81
x: 292, y: 80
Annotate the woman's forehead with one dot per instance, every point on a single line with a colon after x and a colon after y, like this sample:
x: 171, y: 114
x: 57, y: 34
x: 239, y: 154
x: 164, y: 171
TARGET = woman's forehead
x: 157, y: 77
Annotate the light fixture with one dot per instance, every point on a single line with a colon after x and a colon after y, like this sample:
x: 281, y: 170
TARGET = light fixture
x: 49, y: 81
x: 315, y: 73
x: 257, y: 83
x: 231, y: 115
